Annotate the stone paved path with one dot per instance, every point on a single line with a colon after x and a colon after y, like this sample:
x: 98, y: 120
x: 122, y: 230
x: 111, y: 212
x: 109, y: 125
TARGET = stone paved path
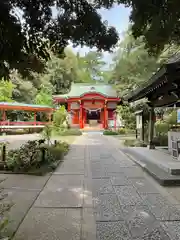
x: 96, y: 194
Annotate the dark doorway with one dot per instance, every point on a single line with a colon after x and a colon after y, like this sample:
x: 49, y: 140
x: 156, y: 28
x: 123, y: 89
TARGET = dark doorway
x: 93, y: 115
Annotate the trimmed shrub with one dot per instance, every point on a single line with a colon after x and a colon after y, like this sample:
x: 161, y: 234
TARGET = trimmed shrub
x: 109, y: 132
x: 134, y: 143
x: 70, y: 132
x: 122, y: 131
x: 34, y: 155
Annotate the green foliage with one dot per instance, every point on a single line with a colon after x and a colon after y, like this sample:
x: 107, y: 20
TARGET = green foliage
x: 134, y: 143
x: 59, y: 117
x: 128, y: 116
x: 158, y: 23
x: 44, y: 97
x: 132, y: 64
x: 122, y: 131
x: 47, y: 132
x: 34, y: 155
x: 161, y: 140
x: 110, y: 132
x: 161, y: 127
x: 172, y: 118
x: 6, y: 91
x: 70, y: 132
x: 29, y: 155
x: 27, y: 42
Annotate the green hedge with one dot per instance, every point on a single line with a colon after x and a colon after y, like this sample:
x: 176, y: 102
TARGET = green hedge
x: 70, y: 132
x: 36, y: 156
x: 110, y: 132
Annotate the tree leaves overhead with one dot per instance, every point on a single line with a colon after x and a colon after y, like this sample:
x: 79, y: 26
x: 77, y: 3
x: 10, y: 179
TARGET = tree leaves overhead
x: 157, y: 21
x: 132, y: 64
x: 30, y: 27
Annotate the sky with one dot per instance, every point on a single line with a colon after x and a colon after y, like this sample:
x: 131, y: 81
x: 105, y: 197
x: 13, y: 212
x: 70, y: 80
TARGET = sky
x: 118, y: 16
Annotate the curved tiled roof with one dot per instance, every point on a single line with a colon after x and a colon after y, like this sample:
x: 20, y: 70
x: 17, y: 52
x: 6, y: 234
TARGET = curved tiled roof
x: 79, y: 89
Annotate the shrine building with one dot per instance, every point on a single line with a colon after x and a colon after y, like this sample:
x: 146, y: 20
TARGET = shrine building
x: 90, y: 105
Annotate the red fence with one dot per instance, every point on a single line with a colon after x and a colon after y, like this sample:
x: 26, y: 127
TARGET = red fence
x: 21, y: 123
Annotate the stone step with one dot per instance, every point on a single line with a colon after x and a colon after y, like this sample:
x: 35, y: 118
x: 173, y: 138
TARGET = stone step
x: 164, y: 177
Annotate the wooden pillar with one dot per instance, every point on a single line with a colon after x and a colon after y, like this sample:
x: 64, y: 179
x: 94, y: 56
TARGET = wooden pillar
x: 34, y: 118
x: 115, y: 120
x: 49, y: 117
x: 105, y: 116
x: 151, y: 127
x: 68, y: 107
x: 81, y: 116
x: 4, y: 116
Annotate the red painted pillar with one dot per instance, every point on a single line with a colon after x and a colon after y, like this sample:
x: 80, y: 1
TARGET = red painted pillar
x: 4, y: 116
x: 105, y: 116
x: 34, y: 118
x: 115, y: 120
x: 81, y: 116
x: 49, y: 117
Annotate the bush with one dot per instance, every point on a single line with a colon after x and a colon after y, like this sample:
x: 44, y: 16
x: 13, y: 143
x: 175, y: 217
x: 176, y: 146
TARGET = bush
x: 34, y: 155
x: 121, y: 131
x: 70, y: 132
x: 134, y: 143
x: 59, y: 150
x: 161, y: 140
x: 110, y: 132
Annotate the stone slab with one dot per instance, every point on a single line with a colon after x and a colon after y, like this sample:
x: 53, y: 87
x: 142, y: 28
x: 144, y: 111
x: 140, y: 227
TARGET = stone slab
x: 88, y: 225
x: 132, y: 172
x: 120, y: 180
x: 172, y: 229
x: 101, y: 186
x: 107, y: 208
x: 62, y: 191
x: 22, y: 201
x: 144, y: 186
x: 139, y: 220
x: 157, y: 233
x: 112, y: 230
x: 161, y: 208
x: 163, y: 177
x: 50, y: 224
x: 128, y: 195
x: 19, y: 181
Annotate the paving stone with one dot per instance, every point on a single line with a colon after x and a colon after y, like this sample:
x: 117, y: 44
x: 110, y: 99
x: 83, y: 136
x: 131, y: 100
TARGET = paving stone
x: 62, y: 191
x: 21, y: 202
x: 112, y: 231
x: 120, y: 180
x: 24, y: 181
x: 99, y: 174
x: 50, y: 224
x: 133, y: 172
x: 139, y: 220
x: 107, y: 208
x: 156, y: 233
x: 161, y: 208
x: 102, y: 186
x: 88, y: 225
x: 172, y: 229
x: 143, y: 186
x: 127, y: 195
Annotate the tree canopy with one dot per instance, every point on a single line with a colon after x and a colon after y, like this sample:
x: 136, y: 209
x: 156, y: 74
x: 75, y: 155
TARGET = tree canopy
x: 29, y: 28
x: 132, y: 64
x: 157, y: 21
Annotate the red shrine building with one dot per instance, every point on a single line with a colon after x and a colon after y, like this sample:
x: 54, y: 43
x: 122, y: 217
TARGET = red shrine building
x: 90, y: 105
